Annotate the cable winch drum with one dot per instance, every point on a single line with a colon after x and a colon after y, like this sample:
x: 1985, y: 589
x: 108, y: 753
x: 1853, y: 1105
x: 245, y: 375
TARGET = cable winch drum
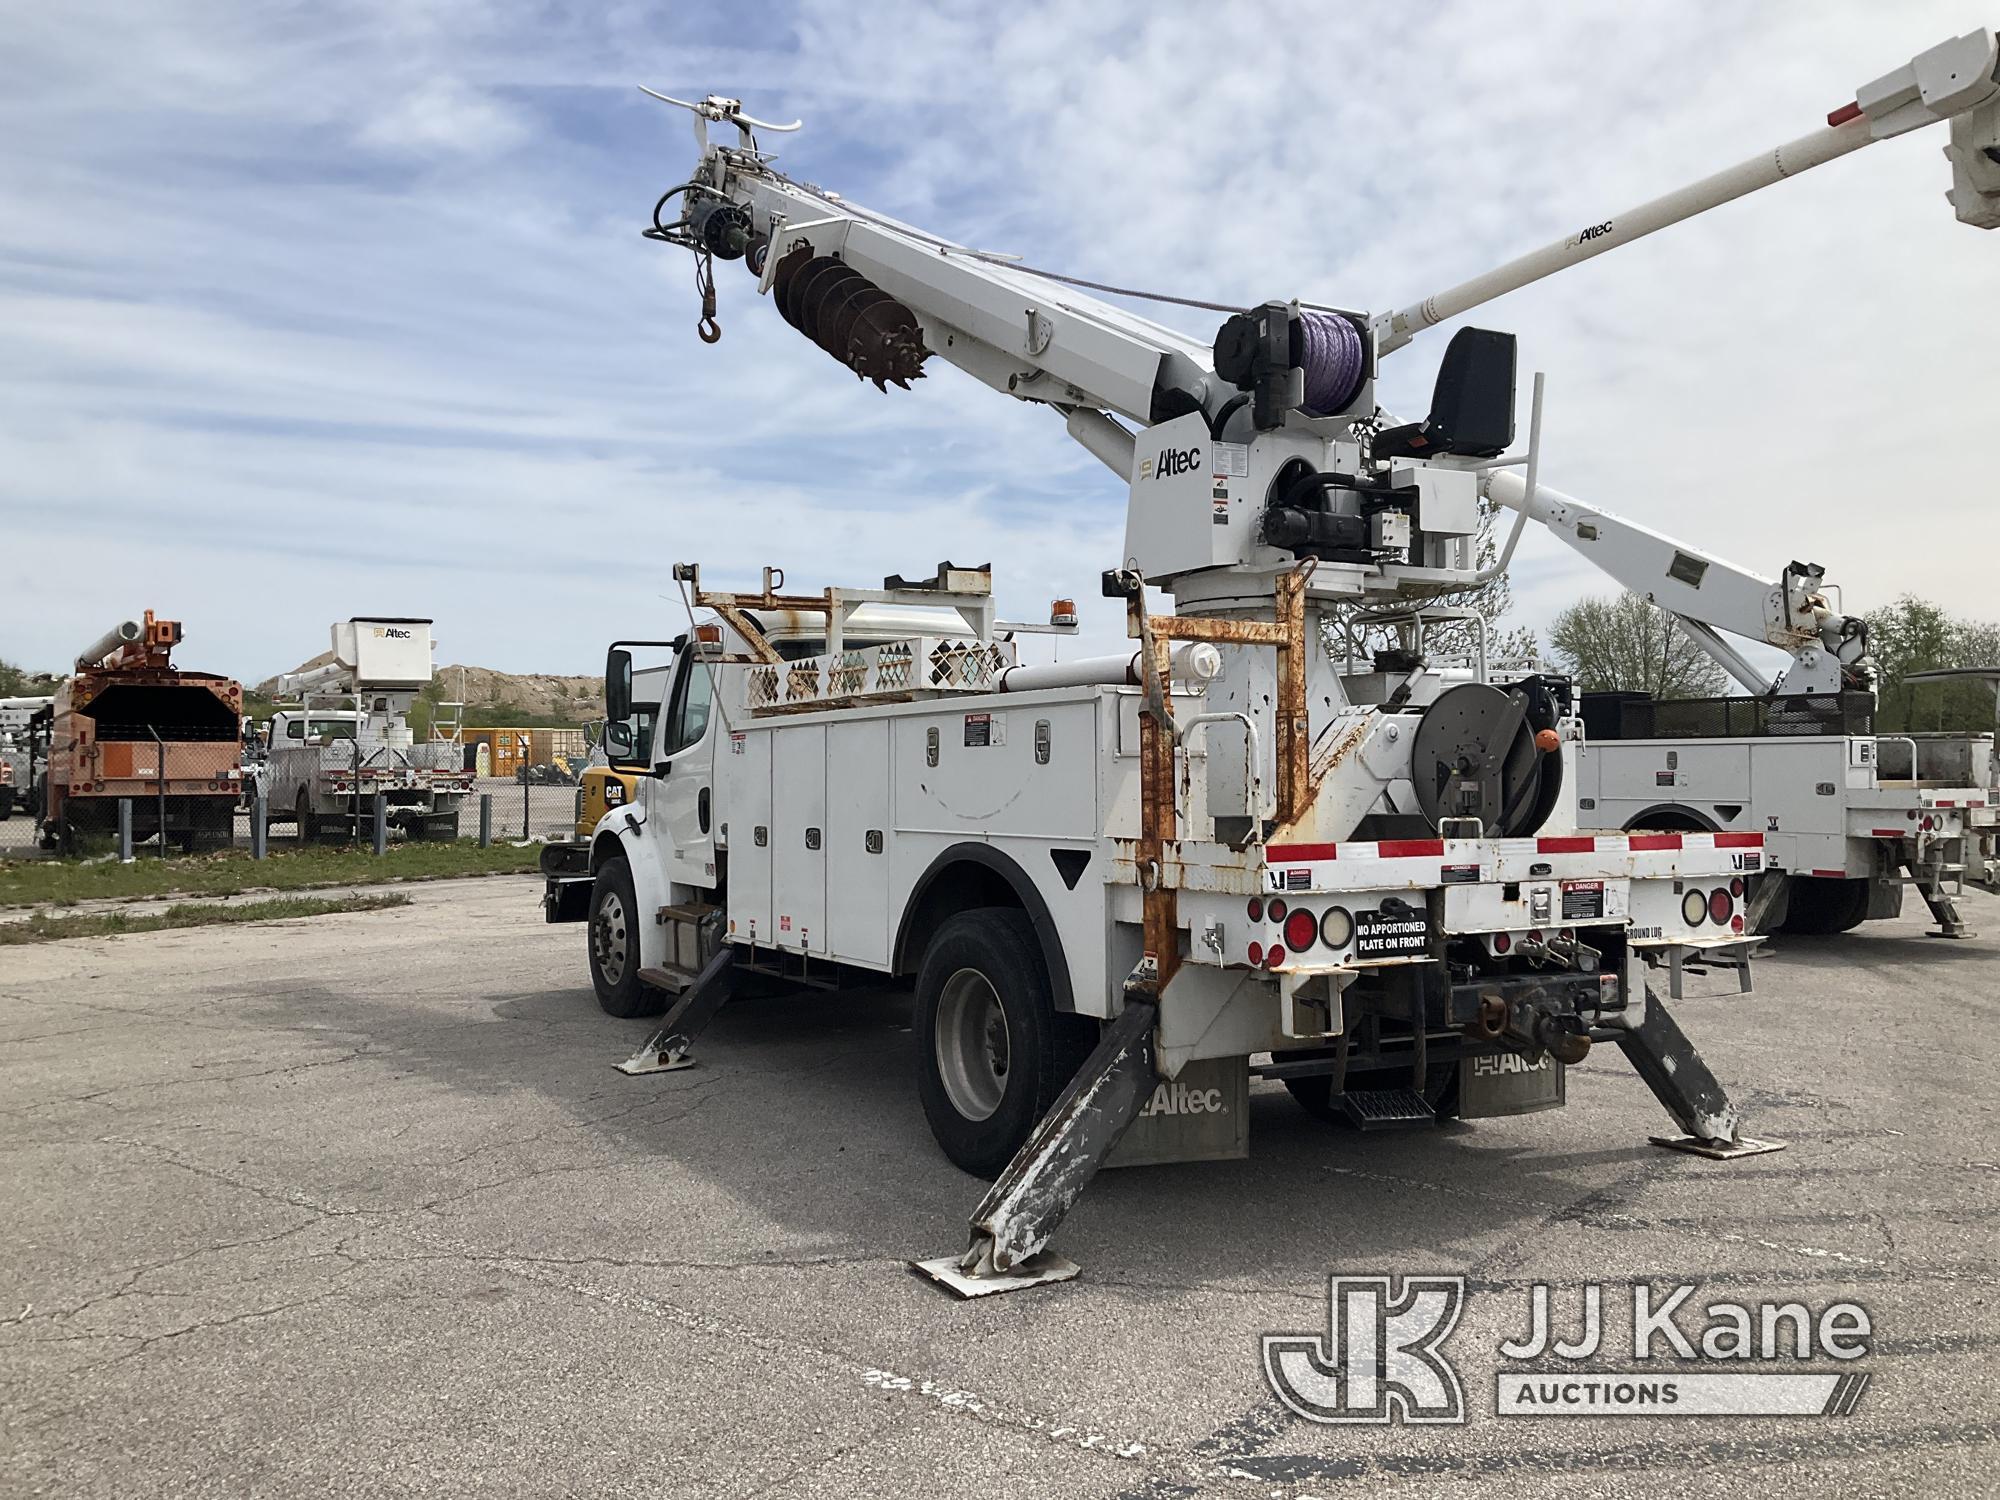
x: 1330, y: 350
x: 1453, y: 738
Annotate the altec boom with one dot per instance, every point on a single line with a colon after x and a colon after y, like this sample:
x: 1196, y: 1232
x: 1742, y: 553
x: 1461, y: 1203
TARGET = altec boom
x: 1216, y: 854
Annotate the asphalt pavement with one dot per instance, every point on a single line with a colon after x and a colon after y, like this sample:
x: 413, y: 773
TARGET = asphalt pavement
x: 357, y: 1205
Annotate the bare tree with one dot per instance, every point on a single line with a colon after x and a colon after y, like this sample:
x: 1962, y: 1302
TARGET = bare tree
x: 1458, y: 639
x: 1626, y: 643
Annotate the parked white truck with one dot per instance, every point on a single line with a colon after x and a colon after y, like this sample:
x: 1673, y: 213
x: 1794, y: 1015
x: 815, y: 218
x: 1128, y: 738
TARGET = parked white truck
x: 1121, y: 884
x: 348, y: 739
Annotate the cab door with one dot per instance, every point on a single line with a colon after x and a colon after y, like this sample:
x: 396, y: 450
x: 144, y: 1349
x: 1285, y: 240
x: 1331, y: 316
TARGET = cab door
x: 683, y: 799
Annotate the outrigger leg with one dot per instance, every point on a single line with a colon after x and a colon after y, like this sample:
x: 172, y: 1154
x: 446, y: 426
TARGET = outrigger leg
x: 1661, y: 1054
x: 666, y: 1050
x: 1929, y: 881
x: 1013, y: 1222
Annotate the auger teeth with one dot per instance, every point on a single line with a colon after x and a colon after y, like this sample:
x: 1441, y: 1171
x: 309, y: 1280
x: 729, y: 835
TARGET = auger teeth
x: 850, y: 317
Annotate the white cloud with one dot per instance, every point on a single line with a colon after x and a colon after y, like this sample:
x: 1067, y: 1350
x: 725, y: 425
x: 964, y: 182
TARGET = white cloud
x: 304, y: 312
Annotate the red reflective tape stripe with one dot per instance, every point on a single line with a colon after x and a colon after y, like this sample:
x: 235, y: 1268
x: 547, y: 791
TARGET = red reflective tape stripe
x: 1739, y: 841
x: 1941, y: 802
x: 1888, y: 833
x: 1279, y: 853
x: 1566, y: 846
x: 1640, y: 841
x: 1831, y: 874
x: 1845, y: 113
x: 1409, y: 848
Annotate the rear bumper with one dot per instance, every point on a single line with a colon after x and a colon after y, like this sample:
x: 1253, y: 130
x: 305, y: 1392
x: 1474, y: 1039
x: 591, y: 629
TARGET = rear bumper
x: 566, y: 882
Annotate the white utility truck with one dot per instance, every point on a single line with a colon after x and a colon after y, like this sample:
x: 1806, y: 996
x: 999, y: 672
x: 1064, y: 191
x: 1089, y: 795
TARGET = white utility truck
x: 348, y: 738
x: 1849, y: 816
x: 1124, y: 884
x: 17, y: 766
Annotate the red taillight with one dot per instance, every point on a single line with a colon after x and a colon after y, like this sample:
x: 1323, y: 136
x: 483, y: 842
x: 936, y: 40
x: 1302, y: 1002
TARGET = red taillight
x: 1735, y: 924
x: 1256, y: 954
x: 1502, y: 942
x: 1275, y: 957
x: 1535, y: 936
x: 1736, y: 886
x: 1276, y: 910
x: 1301, y: 927
x: 1256, y: 908
x: 1719, y: 906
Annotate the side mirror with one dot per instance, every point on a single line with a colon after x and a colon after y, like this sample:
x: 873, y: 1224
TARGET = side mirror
x: 618, y: 741
x: 617, y: 684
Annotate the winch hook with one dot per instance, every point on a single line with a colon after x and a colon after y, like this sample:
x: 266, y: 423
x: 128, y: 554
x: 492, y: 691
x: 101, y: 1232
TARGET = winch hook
x: 704, y: 280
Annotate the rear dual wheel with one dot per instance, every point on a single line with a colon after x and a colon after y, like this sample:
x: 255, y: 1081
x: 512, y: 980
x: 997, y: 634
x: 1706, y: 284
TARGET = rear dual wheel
x: 993, y: 1053
x: 1819, y: 906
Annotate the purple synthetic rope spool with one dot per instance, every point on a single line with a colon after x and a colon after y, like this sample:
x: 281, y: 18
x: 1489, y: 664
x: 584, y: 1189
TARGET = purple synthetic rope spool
x: 1334, y: 360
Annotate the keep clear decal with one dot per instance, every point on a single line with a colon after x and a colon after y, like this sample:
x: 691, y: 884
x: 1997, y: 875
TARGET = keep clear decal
x: 985, y: 729
x: 1583, y: 900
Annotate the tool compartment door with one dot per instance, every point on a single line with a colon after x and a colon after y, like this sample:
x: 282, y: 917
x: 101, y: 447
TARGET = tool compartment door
x: 857, y: 859
x: 746, y: 784
x: 798, y: 837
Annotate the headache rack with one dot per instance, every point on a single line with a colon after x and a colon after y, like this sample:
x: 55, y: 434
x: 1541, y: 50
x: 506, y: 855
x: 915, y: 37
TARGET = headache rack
x: 1639, y: 716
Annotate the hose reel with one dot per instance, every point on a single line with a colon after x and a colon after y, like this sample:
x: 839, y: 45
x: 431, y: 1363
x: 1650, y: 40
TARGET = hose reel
x: 1489, y: 753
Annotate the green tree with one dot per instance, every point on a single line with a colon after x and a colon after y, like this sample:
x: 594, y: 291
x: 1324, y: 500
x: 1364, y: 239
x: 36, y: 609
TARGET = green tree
x: 1489, y: 601
x: 16, y: 682
x: 1628, y: 644
x: 1914, y: 635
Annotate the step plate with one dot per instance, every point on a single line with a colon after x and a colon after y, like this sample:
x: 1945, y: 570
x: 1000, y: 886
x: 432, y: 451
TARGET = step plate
x: 1385, y: 1109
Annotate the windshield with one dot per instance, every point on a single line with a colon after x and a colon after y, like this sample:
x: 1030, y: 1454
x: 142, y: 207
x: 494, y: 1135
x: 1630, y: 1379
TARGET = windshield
x: 320, y: 729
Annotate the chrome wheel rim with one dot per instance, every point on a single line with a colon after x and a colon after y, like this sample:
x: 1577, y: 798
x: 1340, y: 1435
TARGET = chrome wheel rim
x: 974, y: 1050
x: 610, y: 938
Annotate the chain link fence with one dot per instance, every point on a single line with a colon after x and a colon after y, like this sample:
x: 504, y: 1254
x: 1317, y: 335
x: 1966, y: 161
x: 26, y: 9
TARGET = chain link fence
x: 313, y: 793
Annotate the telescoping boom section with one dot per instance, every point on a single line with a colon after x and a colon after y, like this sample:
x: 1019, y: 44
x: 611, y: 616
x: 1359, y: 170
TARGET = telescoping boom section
x: 1122, y: 890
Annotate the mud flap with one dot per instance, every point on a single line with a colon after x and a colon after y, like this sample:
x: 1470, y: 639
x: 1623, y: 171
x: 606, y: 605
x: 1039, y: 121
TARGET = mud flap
x: 1013, y: 1223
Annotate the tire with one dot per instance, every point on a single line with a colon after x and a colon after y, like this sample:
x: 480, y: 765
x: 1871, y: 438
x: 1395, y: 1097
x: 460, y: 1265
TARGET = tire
x: 1314, y: 1093
x: 1821, y: 906
x: 992, y: 1053
x: 613, y: 942
x: 6, y: 803
x: 302, y: 817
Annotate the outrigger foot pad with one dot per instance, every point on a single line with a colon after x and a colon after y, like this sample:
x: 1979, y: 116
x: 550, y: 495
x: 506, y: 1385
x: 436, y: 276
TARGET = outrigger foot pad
x: 657, y: 1056
x: 666, y: 1050
x: 1036, y: 1270
x: 1694, y: 1145
x: 1011, y: 1227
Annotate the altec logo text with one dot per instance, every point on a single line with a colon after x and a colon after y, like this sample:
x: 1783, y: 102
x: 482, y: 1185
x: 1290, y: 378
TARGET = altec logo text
x: 1179, y: 1099
x: 1171, y: 461
x: 1381, y: 1358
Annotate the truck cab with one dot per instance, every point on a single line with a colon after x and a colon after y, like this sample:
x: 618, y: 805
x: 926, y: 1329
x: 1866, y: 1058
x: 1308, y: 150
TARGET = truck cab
x: 613, y: 780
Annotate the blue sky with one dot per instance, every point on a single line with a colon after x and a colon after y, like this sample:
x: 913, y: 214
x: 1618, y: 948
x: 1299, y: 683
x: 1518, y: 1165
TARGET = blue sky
x: 312, y: 310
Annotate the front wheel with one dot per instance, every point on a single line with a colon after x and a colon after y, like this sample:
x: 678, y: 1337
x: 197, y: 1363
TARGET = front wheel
x: 614, y: 944
x: 992, y: 1053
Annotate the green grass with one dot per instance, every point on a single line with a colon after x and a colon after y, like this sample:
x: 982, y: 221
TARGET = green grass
x: 34, y: 882
x: 43, y: 928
